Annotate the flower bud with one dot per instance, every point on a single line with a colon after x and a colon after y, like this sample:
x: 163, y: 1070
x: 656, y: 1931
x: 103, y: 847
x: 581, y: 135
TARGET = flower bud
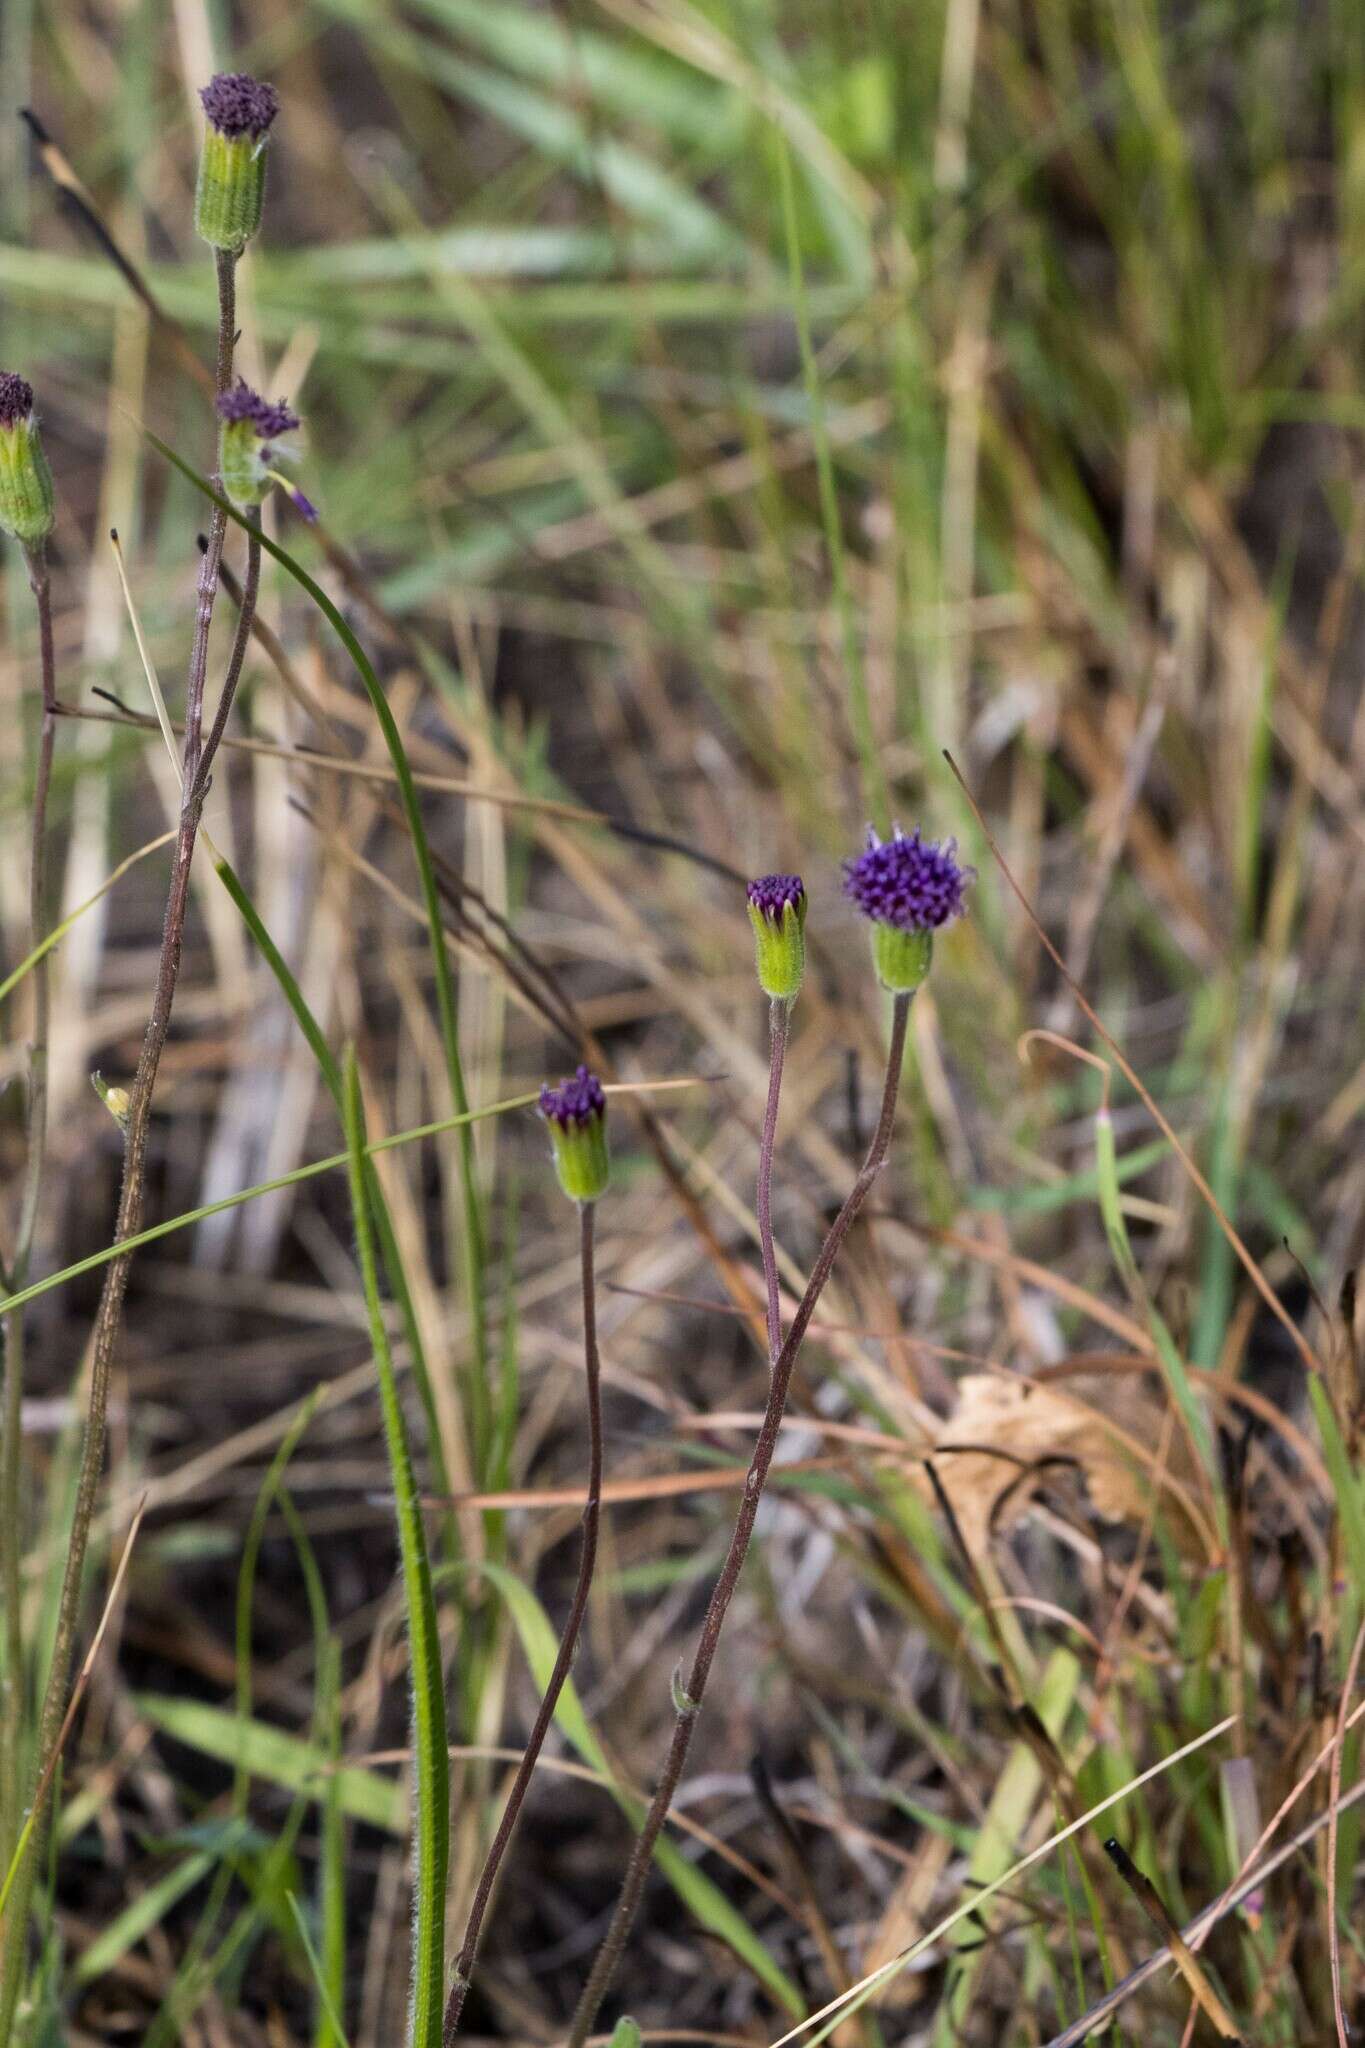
x: 116, y: 1100
x: 249, y: 425
x: 231, y: 187
x: 576, y: 1113
x: 25, y: 480
x: 777, y: 912
x: 909, y: 888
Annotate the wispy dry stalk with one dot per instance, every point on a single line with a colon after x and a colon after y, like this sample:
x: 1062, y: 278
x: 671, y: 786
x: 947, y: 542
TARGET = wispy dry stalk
x: 196, y: 764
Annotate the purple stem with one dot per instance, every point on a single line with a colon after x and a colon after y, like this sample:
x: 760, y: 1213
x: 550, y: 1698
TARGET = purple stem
x: 689, y: 1698
x: 779, y: 1019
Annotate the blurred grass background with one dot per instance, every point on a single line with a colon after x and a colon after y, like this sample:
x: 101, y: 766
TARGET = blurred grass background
x: 727, y: 407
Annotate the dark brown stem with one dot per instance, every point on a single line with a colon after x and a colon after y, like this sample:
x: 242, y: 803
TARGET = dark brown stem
x: 195, y: 766
x: 568, y: 1643
x: 11, y: 1408
x: 689, y: 1698
x: 779, y: 1017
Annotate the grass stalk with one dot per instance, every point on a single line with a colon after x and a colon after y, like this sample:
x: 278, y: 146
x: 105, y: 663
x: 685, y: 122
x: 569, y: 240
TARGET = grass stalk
x: 689, y: 1697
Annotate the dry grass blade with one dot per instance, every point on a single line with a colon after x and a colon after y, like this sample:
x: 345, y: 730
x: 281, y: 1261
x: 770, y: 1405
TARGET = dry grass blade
x: 1152, y: 1904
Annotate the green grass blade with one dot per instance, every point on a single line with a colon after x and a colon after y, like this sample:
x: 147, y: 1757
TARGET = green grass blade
x: 293, y: 1761
x: 324, y: 1989
x: 430, y: 1762
x: 291, y: 1179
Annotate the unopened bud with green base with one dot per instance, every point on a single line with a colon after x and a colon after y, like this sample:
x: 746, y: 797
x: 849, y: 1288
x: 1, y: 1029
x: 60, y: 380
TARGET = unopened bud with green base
x: 576, y: 1113
x: 230, y: 191
x: 777, y: 912
x: 26, y: 507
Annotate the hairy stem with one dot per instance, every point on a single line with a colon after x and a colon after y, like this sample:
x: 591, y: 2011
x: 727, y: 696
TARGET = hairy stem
x: 196, y: 763
x: 11, y: 1698
x: 568, y: 1643
x: 690, y: 1697
x: 779, y: 1018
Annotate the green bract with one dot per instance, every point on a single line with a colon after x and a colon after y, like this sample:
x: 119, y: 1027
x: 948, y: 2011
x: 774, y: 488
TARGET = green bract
x: 902, y: 959
x: 26, y: 508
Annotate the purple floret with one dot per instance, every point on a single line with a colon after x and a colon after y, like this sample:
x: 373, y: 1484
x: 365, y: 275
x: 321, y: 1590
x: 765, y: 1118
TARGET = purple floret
x: 912, y: 883
x: 770, y: 895
x: 575, y: 1102
x: 238, y: 104
x: 242, y: 403
x: 16, y: 398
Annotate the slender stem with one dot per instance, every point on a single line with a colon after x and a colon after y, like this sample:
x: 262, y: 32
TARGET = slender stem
x: 689, y: 1698
x: 779, y: 1018
x: 12, y: 1691
x: 568, y: 1643
x: 241, y: 640
x: 194, y: 774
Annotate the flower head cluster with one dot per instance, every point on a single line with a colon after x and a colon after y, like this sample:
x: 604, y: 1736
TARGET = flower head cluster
x: 230, y: 191
x: 770, y: 895
x: 238, y: 104
x: 26, y: 506
x: 910, y: 887
x: 575, y: 1101
x: 576, y: 1113
x: 16, y: 398
x: 777, y: 912
x: 249, y: 427
x: 912, y: 883
x: 268, y: 421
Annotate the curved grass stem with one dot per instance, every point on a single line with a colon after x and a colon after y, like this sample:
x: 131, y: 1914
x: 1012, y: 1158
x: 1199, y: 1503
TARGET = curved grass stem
x: 689, y: 1697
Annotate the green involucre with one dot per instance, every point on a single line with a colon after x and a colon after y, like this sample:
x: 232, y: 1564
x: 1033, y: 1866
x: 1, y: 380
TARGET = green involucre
x: 26, y: 508
x: 780, y: 949
x: 231, y: 189
x: 581, y: 1158
x: 902, y: 959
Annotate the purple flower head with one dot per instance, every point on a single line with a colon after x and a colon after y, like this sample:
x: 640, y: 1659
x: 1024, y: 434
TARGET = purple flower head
x: 16, y: 398
x: 242, y: 403
x: 771, y: 894
x: 575, y: 1102
x: 910, y: 883
x: 238, y: 104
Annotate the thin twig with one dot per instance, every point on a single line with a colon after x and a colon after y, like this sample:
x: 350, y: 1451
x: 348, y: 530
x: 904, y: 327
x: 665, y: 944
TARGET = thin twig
x: 568, y: 1643
x: 688, y: 1699
x: 779, y: 1017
